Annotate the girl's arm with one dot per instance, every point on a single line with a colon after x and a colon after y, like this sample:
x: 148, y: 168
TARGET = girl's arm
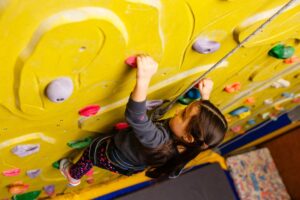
x: 144, y: 129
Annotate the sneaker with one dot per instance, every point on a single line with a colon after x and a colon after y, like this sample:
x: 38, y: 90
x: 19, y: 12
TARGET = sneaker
x: 64, y: 167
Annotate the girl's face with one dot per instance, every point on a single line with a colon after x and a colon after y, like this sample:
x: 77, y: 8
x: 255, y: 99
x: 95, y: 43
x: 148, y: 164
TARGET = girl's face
x: 181, y: 119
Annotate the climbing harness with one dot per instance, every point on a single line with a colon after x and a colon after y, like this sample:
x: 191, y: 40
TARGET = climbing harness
x: 161, y: 110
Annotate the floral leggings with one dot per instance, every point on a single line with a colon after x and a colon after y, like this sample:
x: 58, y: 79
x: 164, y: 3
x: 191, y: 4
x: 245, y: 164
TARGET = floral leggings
x: 84, y: 164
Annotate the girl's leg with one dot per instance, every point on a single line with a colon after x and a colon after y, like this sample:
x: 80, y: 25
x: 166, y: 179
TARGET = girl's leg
x: 82, y: 166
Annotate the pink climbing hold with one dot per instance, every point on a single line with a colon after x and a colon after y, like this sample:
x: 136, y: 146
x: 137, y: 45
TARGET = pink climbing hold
x: 131, y: 61
x: 89, y: 110
x: 237, y: 129
x: 233, y: 87
x: 121, y: 126
x: 296, y: 100
x: 11, y: 172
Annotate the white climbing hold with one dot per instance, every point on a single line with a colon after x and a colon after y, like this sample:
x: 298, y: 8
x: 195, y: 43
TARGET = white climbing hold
x: 26, y: 149
x: 205, y: 46
x: 268, y: 101
x: 59, y: 89
x: 281, y: 83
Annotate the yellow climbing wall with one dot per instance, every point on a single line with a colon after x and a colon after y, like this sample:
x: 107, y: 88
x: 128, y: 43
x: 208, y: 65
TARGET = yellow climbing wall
x: 88, y: 41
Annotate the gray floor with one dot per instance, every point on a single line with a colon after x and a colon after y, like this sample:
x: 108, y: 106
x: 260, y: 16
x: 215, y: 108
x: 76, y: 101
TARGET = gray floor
x: 207, y: 183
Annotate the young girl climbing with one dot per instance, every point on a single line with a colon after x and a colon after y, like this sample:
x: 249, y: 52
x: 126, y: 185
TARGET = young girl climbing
x: 164, y: 147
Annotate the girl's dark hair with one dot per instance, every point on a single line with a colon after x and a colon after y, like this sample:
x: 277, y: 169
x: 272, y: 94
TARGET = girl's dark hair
x: 208, y: 128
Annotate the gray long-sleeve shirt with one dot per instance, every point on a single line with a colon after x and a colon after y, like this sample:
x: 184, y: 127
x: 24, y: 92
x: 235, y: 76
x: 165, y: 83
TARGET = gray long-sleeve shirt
x: 143, y: 132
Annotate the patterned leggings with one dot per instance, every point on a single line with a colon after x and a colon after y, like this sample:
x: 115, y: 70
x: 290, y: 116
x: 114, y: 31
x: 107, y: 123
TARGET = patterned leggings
x: 84, y: 164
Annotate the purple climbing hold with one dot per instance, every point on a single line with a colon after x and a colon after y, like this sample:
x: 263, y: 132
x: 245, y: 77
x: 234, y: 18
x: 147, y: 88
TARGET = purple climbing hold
x: 49, y: 189
x: 26, y: 149
x: 33, y: 173
x: 205, y: 46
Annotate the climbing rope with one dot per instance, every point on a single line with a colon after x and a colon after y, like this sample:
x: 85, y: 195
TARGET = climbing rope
x: 160, y: 111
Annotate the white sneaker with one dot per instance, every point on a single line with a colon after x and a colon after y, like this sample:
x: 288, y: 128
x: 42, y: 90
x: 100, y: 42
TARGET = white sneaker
x: 64, y: 167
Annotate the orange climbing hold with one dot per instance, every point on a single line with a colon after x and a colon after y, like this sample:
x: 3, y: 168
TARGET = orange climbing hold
x: 291, y: 60
x: 89, y: 110
x: 131, y: 61
x: 17, y: 187
x: 233, y: 87
x: 250, y: 100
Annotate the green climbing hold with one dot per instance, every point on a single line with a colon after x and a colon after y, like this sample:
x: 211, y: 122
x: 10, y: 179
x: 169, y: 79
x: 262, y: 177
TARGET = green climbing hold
x: 185, y: 101
x: 282, y: 52
x: 27, y: 196
x: 79, y: 144
x: 55, y: 164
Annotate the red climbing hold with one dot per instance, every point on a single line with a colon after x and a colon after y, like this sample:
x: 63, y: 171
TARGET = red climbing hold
x: 233, y: 87
x: 121, y: 126
x: 131, y: 61
x: 89, y: 110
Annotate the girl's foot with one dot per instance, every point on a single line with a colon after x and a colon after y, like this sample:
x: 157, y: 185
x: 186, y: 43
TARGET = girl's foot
x: 64, y: 167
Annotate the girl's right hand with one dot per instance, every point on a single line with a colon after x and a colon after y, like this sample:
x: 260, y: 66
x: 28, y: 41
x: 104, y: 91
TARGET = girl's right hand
x: 205, y: 88
x: 146, y: 67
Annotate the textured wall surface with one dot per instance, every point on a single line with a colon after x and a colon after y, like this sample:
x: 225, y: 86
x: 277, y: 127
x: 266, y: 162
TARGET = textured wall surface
x: 86, y: 43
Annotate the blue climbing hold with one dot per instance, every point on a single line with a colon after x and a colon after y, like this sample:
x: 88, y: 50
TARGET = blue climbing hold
x: 193, y: 93
x: 239, y: 110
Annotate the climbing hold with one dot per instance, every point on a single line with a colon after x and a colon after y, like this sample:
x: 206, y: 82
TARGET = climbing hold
x: 265, y: 115
x: 205, y: 46
x: 250, y: 100
x: 59, y: 89
x: 11, y: 172
x: 287, y: 94
x: 50, y: 190
x: 281, y: 83
x: 228, y: 118
x: 237, y: 129
x: 185, y: 101
x: 291, y: 60
x: 239, y: 111
x: 131, y: 61
x: 121, y: 126
x: 33, y: 173
x: 233, y: 87
x: 278, y: 107
x: 26, y: 149
x: 89, y: 110
x: 282, y: 52
x: 79, y: 144
x: 251, y: 122
x: 273, y: 116
x: 268, y: 101
x: 17, y: 187
x: 151, y: 104
x: 296, y: 100
x: 244, y: 114
x: 28, y: 196
x: 193, y: 93
x: 55, y: 165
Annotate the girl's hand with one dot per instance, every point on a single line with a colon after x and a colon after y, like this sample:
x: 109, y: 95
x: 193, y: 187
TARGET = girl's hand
x: 205, y: 88
x: 146, y: 68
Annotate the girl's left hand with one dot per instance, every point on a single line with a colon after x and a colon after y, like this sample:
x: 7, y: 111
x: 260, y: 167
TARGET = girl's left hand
x: 205, y: 88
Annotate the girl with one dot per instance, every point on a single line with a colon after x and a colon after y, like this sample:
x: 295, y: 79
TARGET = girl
x: 164, y: 146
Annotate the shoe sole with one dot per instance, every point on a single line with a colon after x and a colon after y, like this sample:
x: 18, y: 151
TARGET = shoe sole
x: 61, y: 166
